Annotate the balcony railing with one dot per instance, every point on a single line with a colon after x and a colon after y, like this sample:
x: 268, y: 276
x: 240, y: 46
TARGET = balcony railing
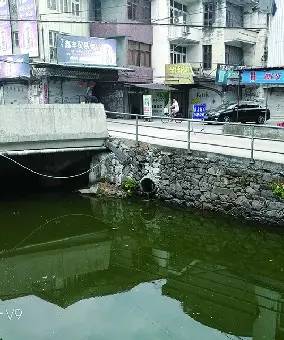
x: 241, y: 35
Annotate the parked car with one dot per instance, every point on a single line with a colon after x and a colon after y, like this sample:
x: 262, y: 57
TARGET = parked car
x: 247, y: 112
x: 281, y: 124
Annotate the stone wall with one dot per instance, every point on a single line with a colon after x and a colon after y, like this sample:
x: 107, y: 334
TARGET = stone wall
x: 201, y: 180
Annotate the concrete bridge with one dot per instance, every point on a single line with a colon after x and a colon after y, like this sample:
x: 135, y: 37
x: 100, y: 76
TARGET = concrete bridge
x: 28, y: 129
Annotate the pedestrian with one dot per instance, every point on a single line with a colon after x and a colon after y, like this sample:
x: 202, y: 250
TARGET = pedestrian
x: 174, y: 108
x: 91, y: 95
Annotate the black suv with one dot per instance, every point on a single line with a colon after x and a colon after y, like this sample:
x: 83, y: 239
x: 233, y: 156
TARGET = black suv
x: 247, y: 112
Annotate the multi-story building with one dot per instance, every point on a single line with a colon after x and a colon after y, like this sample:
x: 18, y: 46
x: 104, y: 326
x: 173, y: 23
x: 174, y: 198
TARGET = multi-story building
x: 36, y: 28
x: 129, y: 22
x: 206, y: 33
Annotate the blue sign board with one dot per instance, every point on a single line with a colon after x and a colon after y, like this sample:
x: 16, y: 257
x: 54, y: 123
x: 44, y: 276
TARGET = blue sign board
x: 15, y: 66
x: 199, y: 111
x: 74, y: 50
x: 266, y: 77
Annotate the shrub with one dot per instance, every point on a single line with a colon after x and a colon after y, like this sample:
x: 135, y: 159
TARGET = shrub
x: 278, y: 189
x: 129, y: 185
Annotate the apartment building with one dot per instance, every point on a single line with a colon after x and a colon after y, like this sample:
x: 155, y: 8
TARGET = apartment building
x: 206, y: 33
x: 129, y: 22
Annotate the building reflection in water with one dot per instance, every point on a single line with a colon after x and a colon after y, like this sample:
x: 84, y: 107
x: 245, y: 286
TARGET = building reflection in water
x: 226, y: 278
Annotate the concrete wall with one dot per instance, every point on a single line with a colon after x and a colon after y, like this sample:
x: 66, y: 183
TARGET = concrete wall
x: 52, y: 126
x: 276, y: 37
x: 224, y: 184
x: 161, y: 46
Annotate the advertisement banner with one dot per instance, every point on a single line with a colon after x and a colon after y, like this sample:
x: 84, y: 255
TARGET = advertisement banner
x: 15, y: 66
x: 179, y: 74
x: 28, y: 30
x: 5, y: 28
x: 227, y: 75
x: 266, y: 77
x: 147, y: 105
x: 74, y: 50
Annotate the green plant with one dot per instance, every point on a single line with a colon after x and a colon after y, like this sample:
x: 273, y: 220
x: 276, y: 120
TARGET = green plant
x: 129, y: 185
x: 278, y: 189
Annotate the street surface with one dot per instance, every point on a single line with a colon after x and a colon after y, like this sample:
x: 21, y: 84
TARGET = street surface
x: 204, y: 137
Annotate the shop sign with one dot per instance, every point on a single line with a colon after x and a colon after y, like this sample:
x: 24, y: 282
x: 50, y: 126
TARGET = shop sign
x: 266, y: 77
x: 227, y: 75
x: 5, y: 28
x: 179, y: 74
x: 15, y: 66
x: 147, y: 105
x: 74, y: 50
x: 199, y: 111
x: 28, y: 29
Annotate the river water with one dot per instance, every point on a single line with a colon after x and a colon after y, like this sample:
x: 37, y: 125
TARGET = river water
x: 81, y: 268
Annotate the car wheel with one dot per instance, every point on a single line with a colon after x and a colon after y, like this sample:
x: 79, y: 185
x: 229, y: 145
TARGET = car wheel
x: 227, y: 119
x: 260, y: 119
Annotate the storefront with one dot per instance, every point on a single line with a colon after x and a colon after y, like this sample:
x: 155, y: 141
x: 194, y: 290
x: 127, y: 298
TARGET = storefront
x: 270, y: 82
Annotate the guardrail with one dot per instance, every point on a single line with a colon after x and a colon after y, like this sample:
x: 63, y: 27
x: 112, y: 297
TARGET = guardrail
x: 142, y: 121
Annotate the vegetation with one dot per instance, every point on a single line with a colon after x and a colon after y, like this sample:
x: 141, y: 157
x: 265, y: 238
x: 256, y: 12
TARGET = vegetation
x: 129, y: 185
x: 278, y: 189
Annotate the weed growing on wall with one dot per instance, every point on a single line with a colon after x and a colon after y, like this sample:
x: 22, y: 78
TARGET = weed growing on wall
x: 278, y: 189
x: 129, y: 185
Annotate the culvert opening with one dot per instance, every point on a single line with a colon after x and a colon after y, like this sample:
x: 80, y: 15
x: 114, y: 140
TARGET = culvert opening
x: 147, y: 185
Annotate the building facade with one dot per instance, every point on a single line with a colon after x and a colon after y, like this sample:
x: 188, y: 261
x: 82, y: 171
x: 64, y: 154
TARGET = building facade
x: 205, y: 34
x: 52, y: 81
x: 276, y: 59
x: 129, y: 22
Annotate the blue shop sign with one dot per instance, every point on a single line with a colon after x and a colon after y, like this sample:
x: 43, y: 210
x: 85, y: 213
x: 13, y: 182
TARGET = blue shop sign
x: 272, y: 76
x: 199, y: 111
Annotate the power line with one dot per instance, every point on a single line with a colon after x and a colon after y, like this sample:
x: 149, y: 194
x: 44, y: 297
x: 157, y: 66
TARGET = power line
x: 45, y: 175
x: 133, y: 24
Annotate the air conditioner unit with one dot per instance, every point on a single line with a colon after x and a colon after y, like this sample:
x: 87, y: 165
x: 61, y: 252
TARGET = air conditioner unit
x: 178, y: 20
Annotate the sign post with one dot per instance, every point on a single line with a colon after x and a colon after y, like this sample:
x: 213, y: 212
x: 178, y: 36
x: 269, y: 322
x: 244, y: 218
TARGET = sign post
x: 147, y: 106
x: 199, y: 111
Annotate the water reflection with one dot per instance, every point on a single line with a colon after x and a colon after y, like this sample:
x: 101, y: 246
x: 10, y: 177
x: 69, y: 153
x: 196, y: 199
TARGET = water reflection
x: 144, y: 270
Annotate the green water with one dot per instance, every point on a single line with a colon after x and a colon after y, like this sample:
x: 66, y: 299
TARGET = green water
x: 78, y: 268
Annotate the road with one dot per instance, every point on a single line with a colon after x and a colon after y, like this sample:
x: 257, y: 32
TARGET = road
x: 204, y: 137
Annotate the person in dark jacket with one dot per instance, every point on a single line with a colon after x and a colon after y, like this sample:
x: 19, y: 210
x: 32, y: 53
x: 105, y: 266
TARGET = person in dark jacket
x: 91, y: 95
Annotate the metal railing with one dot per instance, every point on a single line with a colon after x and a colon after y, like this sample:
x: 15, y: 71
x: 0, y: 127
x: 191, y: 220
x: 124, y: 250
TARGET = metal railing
x: 188, y: 127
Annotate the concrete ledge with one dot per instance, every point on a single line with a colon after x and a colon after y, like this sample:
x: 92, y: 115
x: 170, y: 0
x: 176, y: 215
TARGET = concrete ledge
x: 260, y: 131
x: 52, y: 126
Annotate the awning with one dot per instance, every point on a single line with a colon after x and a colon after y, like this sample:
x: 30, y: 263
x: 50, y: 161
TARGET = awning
x: 82, y: 66
x: 155, y: 87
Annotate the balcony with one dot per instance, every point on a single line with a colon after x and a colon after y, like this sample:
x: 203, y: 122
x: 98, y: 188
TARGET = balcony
x: 184, y: 34
x: 238, y: 35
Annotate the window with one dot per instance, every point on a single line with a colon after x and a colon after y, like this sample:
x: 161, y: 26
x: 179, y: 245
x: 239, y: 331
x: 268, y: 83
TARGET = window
x: 139, y: 54
x: 75, y: 5
x: 52, y: 45
x: 132, y: 9
x: 234, y: 15
x: 98, y: 10
x: 207, y: 57
x: 52, y: 4
x: 16, y: 39
x: 139, y: 10
x: 178, y: 12
x: 178, y: 54
x: 234, y: 55
x: 209, y: 13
